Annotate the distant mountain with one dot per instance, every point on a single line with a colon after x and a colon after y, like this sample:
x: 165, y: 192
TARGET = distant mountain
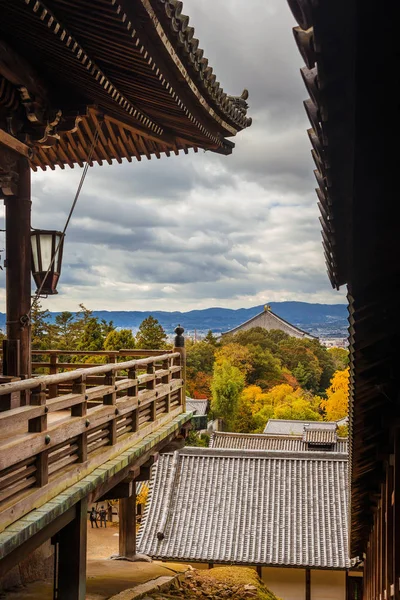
x: 322, y: 320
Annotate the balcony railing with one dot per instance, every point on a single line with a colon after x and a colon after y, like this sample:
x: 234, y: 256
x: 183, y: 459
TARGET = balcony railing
x: 57, y: 428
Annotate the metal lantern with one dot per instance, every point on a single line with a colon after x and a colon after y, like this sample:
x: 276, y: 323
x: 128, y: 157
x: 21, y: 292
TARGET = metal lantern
x: 45, y: 245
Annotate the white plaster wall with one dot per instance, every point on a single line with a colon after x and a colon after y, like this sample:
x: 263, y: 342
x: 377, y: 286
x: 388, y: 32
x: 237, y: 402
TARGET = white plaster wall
x: 328, y: 585
x: 288, y: 584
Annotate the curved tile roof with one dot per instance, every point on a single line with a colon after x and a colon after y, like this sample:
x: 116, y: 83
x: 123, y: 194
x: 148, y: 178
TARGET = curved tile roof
x: 252, y: 441
x: 247, y: 507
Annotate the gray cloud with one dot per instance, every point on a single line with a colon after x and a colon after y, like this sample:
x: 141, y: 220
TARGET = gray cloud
x: 199, y: 230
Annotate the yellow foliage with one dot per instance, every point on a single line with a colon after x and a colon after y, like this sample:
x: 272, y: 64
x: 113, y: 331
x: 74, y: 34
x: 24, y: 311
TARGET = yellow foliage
x: 142, y: 497
x: 336, y: 405
x: 237, y: 355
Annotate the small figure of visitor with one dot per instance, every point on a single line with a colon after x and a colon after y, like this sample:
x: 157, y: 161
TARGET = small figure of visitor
x: 93, y: 517
x: 103, y: 517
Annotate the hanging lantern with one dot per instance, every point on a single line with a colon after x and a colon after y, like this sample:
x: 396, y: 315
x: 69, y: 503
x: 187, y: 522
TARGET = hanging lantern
x: 46, y: 271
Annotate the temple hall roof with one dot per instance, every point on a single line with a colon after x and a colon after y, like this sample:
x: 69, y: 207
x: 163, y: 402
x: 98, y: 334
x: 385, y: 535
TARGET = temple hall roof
x: 269, y: 320
x: 262, y: 441
x: 248, y: 507
x: 294, y: 427
x: 131, y: 69
x: 199, y: 407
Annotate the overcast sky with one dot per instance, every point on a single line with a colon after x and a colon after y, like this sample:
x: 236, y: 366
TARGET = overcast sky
x: 203, y: 230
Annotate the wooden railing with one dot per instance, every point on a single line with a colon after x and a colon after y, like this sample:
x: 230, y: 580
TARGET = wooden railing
x: 51, y: 424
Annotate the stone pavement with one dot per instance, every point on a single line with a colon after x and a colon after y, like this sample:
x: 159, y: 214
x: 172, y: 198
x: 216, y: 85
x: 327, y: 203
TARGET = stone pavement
x: 106, y: 578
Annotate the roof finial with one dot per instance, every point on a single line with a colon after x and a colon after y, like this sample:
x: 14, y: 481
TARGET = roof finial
x: 267, y: 308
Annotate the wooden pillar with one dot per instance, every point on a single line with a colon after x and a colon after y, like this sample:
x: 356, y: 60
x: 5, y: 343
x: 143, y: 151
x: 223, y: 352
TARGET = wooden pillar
x: 180, y: 347
x: 389, y: 527
x: 396, y: 517
x: 308, y: 585
x: 72, y: 556
x: 127, y: 526
x: 18, y: 274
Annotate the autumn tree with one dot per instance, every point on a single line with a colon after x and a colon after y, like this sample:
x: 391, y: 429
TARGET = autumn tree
x: 199, y: 385
x: 336, y: 404
x: 151, y: 335
x: 244, y: 420
x: 227, y: 386
x: 119, y: 340
x: 237, y: 355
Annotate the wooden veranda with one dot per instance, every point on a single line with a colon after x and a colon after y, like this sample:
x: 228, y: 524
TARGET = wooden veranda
x: 84, y: 82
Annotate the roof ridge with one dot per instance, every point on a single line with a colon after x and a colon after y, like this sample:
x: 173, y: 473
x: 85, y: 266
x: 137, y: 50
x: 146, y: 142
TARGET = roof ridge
x: 265, y: 454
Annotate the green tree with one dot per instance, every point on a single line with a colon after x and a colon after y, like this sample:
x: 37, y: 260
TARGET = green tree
x: 340, y: 358
x: 227, y: 386
x: 266, y: 369
x: 42, y: 331
x: 200, y: 356
x: 119, y: 340
x: 211, y: 339
x: 92, y: 337
x: 293, y: 351
x: 66, y: 331
x: 151, y: 335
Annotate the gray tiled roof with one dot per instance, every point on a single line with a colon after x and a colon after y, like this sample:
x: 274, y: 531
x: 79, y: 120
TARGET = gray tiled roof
x: 262, y: 441
x: 199, y: 407
x: 290, y: 427
x: 248, y: 507
x: 319, y: 435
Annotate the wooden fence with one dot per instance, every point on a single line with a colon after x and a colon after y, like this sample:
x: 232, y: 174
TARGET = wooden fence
x: 51, y: 424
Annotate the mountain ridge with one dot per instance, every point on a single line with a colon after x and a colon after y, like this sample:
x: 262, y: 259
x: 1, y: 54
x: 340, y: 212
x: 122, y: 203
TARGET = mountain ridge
x: 323, y: 320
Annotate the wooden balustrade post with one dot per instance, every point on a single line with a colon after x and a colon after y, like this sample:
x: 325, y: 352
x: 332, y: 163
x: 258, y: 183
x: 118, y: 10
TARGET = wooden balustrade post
x: 180, y: 347
x: 53, y: 387
x: 80, y: 410
x: 110, y: 399
x: 151, y: 385
x: 167, y: 380
x: 38, y: 425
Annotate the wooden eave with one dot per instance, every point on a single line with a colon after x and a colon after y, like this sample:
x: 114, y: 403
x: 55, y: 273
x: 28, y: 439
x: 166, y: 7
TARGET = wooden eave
x: 94, y: 54
x: 327, y: 49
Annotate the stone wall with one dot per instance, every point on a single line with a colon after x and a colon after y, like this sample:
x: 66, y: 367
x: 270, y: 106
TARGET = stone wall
x: 37, y: 566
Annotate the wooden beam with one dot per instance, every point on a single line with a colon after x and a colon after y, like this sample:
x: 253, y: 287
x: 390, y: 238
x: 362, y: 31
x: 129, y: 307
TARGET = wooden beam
x: 16, y: 145
x: 24, y: 550
x: 308, y: 585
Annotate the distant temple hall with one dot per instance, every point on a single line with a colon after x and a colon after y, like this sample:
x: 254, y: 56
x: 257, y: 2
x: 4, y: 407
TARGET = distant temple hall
x: 269, y: 320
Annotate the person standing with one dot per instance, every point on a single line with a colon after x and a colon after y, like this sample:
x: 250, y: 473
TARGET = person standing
x: 93, y: 517
x: 103, y: 517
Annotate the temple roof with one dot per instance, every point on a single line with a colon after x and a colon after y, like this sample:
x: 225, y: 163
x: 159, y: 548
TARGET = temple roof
x: 134, y: 66
x: 295, y: 427
x: 262, y: 441
x: 248, y: 507
x: 269, y: 320
x: 197, y: 406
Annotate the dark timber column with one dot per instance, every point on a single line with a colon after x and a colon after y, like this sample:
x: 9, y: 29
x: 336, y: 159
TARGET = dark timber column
x: 308, y: 585
x: 72, y: 556
x: 396, y: 516
x: 127, y: 526
x: 18, y: 273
